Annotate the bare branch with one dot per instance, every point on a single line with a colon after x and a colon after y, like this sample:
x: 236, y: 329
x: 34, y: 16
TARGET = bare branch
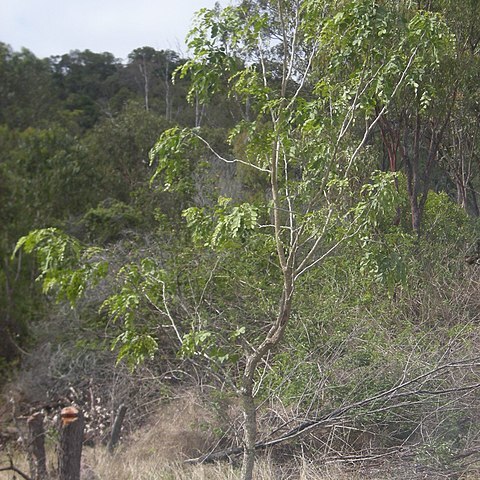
x: 326, y: 420
x: 13, y: 468
x: 305, y: 267
x: 382, y: 111
x: 226, y: 160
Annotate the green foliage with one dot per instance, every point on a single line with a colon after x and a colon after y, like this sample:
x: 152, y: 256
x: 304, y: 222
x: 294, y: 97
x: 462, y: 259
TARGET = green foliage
x: 204, y: 343
x: 109, y: 220
x: 224, y: 226
x: 53, y: 247
x: 27, y: 94
x: 385, y: 260
x: 138, y: 286
x: 390, y: 44
x: 445, y: 221
x: 379, y: 199
x: 171, y: 154
x: 47, y: 167
x: 204, y: 275
x: 116, y: 152
x: 218, y: 39
x: 65, y: 266
x: 134, y: 347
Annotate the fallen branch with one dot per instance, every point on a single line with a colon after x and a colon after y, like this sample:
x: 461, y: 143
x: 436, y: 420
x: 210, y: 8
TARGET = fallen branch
x: 339, y: 413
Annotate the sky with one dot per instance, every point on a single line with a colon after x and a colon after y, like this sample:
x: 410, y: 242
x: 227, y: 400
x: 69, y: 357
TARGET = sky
x: 54, y: 27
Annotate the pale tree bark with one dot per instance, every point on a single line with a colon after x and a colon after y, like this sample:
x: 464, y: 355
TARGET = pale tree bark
x: 168, y: 99
x: 199, y: 111
x: 273, y: 338
x: 142, y: 66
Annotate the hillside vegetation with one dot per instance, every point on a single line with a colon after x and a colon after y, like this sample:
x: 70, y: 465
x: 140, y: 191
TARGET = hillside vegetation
x: 269, y: 251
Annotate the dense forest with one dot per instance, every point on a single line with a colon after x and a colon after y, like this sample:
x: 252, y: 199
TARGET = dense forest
x: 272, y: 246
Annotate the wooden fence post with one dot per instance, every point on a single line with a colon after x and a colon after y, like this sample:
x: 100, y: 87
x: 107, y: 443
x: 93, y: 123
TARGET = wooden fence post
x: 70, y: 444
x: 36, y: 447
x: 117, y: 428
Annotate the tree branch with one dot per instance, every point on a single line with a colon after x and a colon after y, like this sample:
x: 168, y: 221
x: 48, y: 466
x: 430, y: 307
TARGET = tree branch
x: 326, y: 420
x: 226, y: 160
x: 13, y: 468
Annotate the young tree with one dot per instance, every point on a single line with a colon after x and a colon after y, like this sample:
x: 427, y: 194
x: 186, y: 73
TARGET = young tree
x: 315, y: 78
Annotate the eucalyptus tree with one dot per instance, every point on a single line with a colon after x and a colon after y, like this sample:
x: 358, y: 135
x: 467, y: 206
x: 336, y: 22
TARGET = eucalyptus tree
x: 152, y: 71
x: 27, y: 94
x: 414, y: 126
x: 86, y: 82
x: 459, y: 151
x: 313, y: 79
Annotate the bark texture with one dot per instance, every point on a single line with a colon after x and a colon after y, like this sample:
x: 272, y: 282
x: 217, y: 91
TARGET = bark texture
x: 70, y: 448
x: 117, y: 428
x: 36, y: 447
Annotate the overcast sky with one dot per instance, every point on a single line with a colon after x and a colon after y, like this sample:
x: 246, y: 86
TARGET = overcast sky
x: 54, y: 27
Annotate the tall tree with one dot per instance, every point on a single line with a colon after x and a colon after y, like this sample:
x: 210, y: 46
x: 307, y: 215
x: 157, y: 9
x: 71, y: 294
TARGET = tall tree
x: 313, y: 74
x: 459, y: 151
x: 152, y: 71
x: 413, y: 126
x: 27, y: 94
x: 86, y: 82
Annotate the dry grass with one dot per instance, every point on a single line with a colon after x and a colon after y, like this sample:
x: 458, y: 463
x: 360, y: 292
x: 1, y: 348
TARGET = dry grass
x: 184, y: 429
x: 125, y: 466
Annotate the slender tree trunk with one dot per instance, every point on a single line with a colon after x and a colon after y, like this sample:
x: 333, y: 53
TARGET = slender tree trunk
x: 391, y: 140
x: 461, y: 194
x: 146, y: 89
x: 272, y: 339
x: 250, y: 429
x: 475, y: 207
x: 412, y: 189
x: 199, y: 111
x: 168, y: 101
x: 277, y: 329
x: 412, y: 164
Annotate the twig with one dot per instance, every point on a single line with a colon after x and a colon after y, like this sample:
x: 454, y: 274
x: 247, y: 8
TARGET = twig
x: 13, y: 468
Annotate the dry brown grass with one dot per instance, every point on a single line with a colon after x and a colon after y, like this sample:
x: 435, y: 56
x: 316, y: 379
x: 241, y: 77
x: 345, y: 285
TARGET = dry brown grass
x: 127, y: 466
x: 184, y: 429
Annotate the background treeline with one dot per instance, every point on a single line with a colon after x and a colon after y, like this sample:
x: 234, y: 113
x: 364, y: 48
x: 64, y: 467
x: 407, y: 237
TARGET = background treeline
x: 75, y: 133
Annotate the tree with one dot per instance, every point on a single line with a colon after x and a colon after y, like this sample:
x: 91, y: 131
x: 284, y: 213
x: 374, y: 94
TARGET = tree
x: 313, y: 75
x: 116, y: 150
x: 315, y: 78
x: 152, y: 71
x: 414, y: 125
x: 27, y: 95
x: 459, y: 151
x: 86, y: 82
